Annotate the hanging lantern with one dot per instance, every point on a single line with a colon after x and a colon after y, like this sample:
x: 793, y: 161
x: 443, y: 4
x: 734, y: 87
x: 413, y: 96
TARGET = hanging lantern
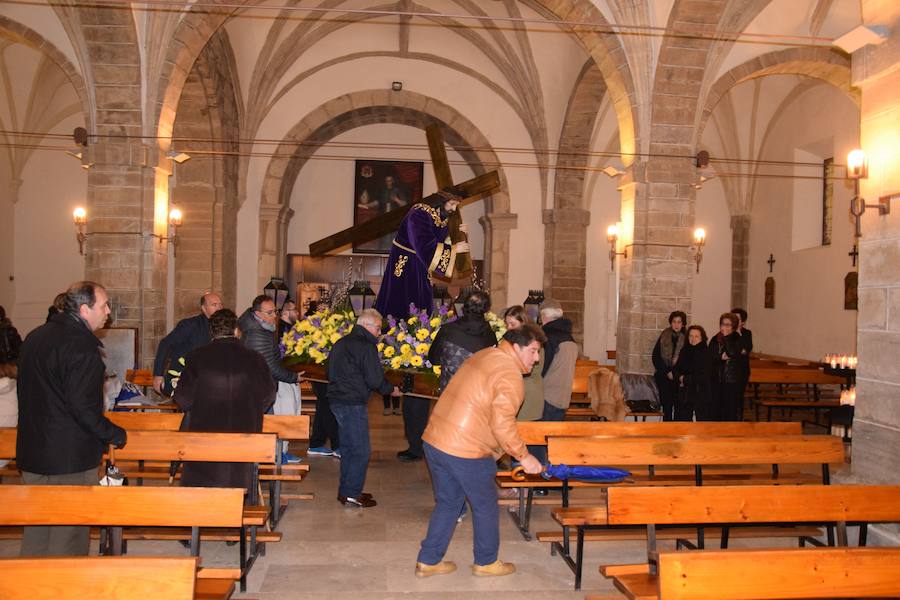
x: 277, y: 291
x: 361, y: 296
x: 532, y: 304
x: 439, y: 297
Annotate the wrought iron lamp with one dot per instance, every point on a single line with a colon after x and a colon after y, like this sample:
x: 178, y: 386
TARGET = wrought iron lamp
x: 79, y: 217
x: 277, y: 291
x: 699, y: 242
x: 858, y: 168
x: 612, y: 236
x: 532, y: 304
x: 361, y: 296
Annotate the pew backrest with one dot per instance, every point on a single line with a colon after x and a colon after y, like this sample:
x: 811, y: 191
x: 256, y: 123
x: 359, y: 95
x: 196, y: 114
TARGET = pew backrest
x: 121, y: 506
x: 286, y: 427
x: 753, y: 504
x: 537, y: 432
x: 196, y: 446
x: 771, y: 574
x: 107, y: 577
x: 690, y: 450
x: 793, y: 375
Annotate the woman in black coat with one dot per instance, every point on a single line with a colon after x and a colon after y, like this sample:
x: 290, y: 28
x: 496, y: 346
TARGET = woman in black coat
x: 727, y: 374
x: 665, y: 355
x: 692, y: 374
x: 226, y: 388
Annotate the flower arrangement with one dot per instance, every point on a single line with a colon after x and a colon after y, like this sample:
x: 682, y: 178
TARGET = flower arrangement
x: 311, y: 339
x: 407, y: 342
x: 496, y: 323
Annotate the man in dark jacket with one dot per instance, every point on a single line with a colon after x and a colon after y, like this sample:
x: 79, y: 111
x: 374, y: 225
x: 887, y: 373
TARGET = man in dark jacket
x: 190, y: 333
x: 226, y: 388
x: 258, y: 325
x: 354, y: 373
x: 62, y: 430
x: 10, y: 341
x: 455, y: 342
x: 746, y: 343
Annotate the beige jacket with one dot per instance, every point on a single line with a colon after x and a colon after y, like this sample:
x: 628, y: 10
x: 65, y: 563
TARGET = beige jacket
x: 475, y: 417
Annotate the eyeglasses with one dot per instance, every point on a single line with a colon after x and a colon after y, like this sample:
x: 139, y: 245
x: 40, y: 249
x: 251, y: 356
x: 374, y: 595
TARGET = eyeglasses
x: 269, y: 312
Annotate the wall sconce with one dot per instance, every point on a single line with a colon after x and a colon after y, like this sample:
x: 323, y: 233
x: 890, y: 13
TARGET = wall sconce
x: 396, y: 86
x: 858, y: 168
x: 612, y: 236
x: 178, y: 157
x: 175, y: 221
x: 699, y: 242
x: 79, y: 217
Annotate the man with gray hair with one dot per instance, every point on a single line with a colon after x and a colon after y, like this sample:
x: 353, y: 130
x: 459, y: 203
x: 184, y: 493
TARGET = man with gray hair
x: 354, y: 373
x: 560, y: 354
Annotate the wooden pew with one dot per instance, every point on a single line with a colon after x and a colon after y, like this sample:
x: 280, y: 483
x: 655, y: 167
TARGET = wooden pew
x: 286, y: 427
x: 771, y: 574
x: 740, y: 506
x: 110, y: 578
x: 793, y: 388
x: 661, y: 451
x: 535, y: 433
x: 125, y: 507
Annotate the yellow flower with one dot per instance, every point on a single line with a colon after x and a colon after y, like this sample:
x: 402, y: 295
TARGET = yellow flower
x: 422, y: 349
x: 436, y: 369
x: 389, y: 352
x: 401, y: 336
x: 412, y: 320
x: 433, y: 334
x: 395, y: 362
x: 381, y: 346
x: 335, y: 337
x: 391, y: 330
x: 435, y: 322
x: 422, y: 334
x: 405, y: 349
x: 416, y: 361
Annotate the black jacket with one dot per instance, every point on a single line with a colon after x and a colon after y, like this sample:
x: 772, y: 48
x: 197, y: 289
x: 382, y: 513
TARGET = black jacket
x: 354, y: 371
x: 457, y: 341
x: 188, y: 334
x: 226, y: 388
x: 694, y: 365
x: 557, y: 331
x: 62, y: 429
x: 664, y: 364
x: 263, y: 341
x: 746, y: 348
x: 725, y: 371
x: 10, y: 342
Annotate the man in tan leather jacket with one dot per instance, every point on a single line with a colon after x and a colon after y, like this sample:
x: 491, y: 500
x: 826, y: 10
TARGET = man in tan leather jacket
x: 472, y: 425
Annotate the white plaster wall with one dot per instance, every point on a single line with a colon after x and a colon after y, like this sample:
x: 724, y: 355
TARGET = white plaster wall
x: 712, y: 286
x: 322, y: 198
x: 46, y: 253
x: 809, y: 319
x: 41, y: 17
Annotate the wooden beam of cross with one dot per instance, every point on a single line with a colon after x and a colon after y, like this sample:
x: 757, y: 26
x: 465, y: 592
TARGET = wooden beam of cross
x: 469, y: 191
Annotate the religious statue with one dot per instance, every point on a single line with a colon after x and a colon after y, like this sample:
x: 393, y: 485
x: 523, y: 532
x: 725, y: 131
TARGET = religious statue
x: 422, y: 247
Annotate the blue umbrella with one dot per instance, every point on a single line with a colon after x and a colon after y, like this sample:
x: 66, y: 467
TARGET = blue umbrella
x: 583, y: 473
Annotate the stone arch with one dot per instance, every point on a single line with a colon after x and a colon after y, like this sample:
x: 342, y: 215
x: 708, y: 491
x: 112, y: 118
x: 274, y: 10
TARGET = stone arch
x: 196, y: 27
x: 826, y: 64
x: 565, y: 226
x: 16, y: 31
x: 381, y: 106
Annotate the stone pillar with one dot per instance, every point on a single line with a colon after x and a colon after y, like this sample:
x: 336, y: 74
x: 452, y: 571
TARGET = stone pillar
x: 740, y: 260
x: 655, y: 278
x: 565, y: 260
x: 876, y: 426
x: 269, y: 215
x: 496, y: 261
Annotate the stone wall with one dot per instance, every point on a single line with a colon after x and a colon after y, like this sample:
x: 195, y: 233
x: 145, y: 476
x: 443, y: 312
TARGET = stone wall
x: 876, y: 428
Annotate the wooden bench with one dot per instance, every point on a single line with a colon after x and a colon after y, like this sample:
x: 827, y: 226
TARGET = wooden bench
x: 292, y: 428
x: 771, y: 574
x: 118, y: 508
x: 535, y: 433
x: 696, y: 452
x: 742, y: 506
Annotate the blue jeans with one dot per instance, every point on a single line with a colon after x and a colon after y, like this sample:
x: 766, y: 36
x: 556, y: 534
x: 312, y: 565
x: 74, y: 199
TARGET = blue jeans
x: 456, y: 480
x: 551, y: 413
x: 353, y: 428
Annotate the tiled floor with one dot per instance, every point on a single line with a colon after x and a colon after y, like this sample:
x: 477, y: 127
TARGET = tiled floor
x: 334, y: 553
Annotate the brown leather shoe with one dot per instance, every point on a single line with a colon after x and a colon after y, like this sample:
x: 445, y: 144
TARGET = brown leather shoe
x: 442, y: 568
x: 498, y: 568
x: 362, y: 501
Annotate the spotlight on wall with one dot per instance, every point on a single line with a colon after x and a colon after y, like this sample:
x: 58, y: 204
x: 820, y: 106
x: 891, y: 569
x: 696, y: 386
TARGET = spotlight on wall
x: 861, y: 35
x: 699, y: 242
x: 612, y: 171
x: 396, y: 85
x: 79, y: 217
x: 612, y: 236
x: 178, y: 157
x: 704, y: 177
x: 858, y: 168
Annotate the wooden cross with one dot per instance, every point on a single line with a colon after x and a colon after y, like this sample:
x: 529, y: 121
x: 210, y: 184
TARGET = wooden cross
x: 470, y: 191
x: 771, y: 262
x: 853, y: 254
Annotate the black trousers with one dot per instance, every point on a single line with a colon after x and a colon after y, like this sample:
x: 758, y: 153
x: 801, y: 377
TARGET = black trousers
x: 415, y: 418
x: 728, y: 399
x: 668, y: 392
x: 325, y: 426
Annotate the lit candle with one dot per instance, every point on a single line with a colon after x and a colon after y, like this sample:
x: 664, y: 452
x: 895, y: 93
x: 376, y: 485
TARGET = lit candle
x: 853, y: 396
x: 833, y: 361
x: 843, y: 361
x: 845, y: 397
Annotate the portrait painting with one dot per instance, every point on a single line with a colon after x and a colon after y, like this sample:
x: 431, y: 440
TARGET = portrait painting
x: 381, y: 187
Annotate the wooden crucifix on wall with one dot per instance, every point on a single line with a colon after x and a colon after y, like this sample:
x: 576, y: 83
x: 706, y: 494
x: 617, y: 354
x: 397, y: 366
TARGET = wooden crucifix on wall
x: 853, y: 254
x: 468, y: 191
x: 771, y: 262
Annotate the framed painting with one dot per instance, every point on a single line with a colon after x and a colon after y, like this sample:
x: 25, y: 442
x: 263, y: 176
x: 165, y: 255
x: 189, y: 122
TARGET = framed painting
x: 380, y: 187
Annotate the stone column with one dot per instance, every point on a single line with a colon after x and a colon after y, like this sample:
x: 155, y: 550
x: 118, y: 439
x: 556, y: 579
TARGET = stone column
x: 740, y: 259
x: 269, y: 215
x: 655, y: 278
x: 496, y: 234
x: 876, y: 426
x: 565, y: 260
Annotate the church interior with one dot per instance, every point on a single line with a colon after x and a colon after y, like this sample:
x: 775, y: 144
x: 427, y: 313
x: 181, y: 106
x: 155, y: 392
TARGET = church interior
x: 618, y: 130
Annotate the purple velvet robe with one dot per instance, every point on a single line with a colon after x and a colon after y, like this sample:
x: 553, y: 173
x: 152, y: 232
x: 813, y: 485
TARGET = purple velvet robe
x: 421, y: 247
